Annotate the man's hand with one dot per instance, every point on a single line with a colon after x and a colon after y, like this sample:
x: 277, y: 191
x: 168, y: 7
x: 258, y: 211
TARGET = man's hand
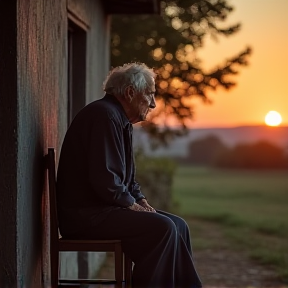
x: 137, y: 207
x: 144, y: 204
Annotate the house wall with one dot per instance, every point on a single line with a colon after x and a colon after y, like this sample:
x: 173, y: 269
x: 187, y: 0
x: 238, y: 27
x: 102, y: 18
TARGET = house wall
x: 42, y: 78
x: 33, y: 117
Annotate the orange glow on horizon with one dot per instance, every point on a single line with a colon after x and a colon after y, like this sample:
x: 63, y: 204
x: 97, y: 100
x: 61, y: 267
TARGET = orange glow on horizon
x: 263, y: 83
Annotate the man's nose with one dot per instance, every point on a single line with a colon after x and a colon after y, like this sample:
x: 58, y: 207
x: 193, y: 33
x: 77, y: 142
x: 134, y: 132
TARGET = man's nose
x: 153, y: 103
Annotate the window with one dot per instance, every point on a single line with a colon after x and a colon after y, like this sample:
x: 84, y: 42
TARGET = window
x: 76, y: 69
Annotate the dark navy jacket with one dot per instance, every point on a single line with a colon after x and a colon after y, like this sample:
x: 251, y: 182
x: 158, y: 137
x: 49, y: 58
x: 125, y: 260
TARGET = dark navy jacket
x: 96, y: 171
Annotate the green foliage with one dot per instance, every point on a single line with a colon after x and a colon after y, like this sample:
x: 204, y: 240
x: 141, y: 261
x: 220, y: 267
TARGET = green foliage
x: 155, y: 175
x: 255, y: 198
x: 170, y: 43
x: 272, y: 258
x: 250, y: 206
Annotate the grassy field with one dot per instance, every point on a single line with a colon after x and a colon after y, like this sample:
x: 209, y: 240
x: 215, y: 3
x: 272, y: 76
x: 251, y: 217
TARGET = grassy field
x: 250, y: 206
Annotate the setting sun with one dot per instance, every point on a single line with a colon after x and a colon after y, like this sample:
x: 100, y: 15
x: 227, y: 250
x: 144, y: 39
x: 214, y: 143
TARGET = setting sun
x: 273, y: 118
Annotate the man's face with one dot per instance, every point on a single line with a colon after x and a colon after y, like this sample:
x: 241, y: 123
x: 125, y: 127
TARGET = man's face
x: 143, y: 102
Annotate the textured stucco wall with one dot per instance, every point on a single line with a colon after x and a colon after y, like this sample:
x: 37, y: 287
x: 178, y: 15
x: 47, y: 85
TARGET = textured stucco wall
x: 33, y: 117
x: 42, y: 78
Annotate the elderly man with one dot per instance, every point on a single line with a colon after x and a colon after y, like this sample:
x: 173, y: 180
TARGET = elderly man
x: 98, y: 196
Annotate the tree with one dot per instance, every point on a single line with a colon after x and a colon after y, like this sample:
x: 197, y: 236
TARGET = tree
x: 169, y: 43
x: 206, y: 151
x: 259, y: 155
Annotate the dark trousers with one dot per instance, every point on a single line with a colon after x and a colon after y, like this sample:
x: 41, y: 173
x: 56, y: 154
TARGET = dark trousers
x: 158, y: 244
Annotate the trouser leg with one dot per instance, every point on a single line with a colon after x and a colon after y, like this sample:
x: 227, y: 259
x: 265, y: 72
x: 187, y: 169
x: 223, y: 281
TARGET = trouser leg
x: 185, y: 272
x: 182, y: 228
x: 151, y: 240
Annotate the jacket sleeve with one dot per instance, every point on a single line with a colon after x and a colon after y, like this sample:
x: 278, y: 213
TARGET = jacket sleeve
x: 136, y: 191
x: 135, y: 188
x: 107, y: 168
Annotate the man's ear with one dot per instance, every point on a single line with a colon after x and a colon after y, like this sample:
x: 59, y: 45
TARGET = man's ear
x: 129, y: 93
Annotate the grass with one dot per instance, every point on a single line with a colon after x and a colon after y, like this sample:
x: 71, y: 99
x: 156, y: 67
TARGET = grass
x: 250, y: 206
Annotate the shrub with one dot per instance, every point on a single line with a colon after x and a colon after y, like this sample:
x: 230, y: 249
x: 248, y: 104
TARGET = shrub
x: 155, y: 175
x: 205, y: 151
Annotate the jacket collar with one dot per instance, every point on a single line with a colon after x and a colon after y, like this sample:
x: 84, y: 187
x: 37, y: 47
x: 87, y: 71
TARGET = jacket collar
x: 112, y: 99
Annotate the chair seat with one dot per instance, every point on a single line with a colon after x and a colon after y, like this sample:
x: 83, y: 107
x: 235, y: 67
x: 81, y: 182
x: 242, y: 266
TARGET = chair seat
x: 88, y: 245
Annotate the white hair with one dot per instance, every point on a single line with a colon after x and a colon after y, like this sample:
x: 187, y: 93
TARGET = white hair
x: 136, y: 74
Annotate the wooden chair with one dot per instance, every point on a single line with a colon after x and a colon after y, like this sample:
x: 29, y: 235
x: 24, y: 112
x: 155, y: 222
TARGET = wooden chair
x: 123, y: 265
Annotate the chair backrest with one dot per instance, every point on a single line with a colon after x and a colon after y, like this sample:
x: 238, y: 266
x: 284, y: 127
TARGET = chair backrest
x: 50, y: 162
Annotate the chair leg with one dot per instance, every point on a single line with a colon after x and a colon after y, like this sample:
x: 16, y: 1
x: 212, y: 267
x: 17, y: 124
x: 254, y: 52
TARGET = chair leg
x: 128, y: 271
x: 118, y: 264
x: 54, y: 264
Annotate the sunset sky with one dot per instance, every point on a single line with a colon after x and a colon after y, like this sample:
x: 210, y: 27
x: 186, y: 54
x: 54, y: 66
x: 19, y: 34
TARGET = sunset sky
x: 263, y: 85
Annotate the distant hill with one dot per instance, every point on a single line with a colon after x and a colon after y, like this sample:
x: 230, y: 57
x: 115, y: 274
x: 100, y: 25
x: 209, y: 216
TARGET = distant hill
x: 229, y: 136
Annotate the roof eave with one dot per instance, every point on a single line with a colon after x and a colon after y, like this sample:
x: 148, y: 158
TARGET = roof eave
x: 132, y: 6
